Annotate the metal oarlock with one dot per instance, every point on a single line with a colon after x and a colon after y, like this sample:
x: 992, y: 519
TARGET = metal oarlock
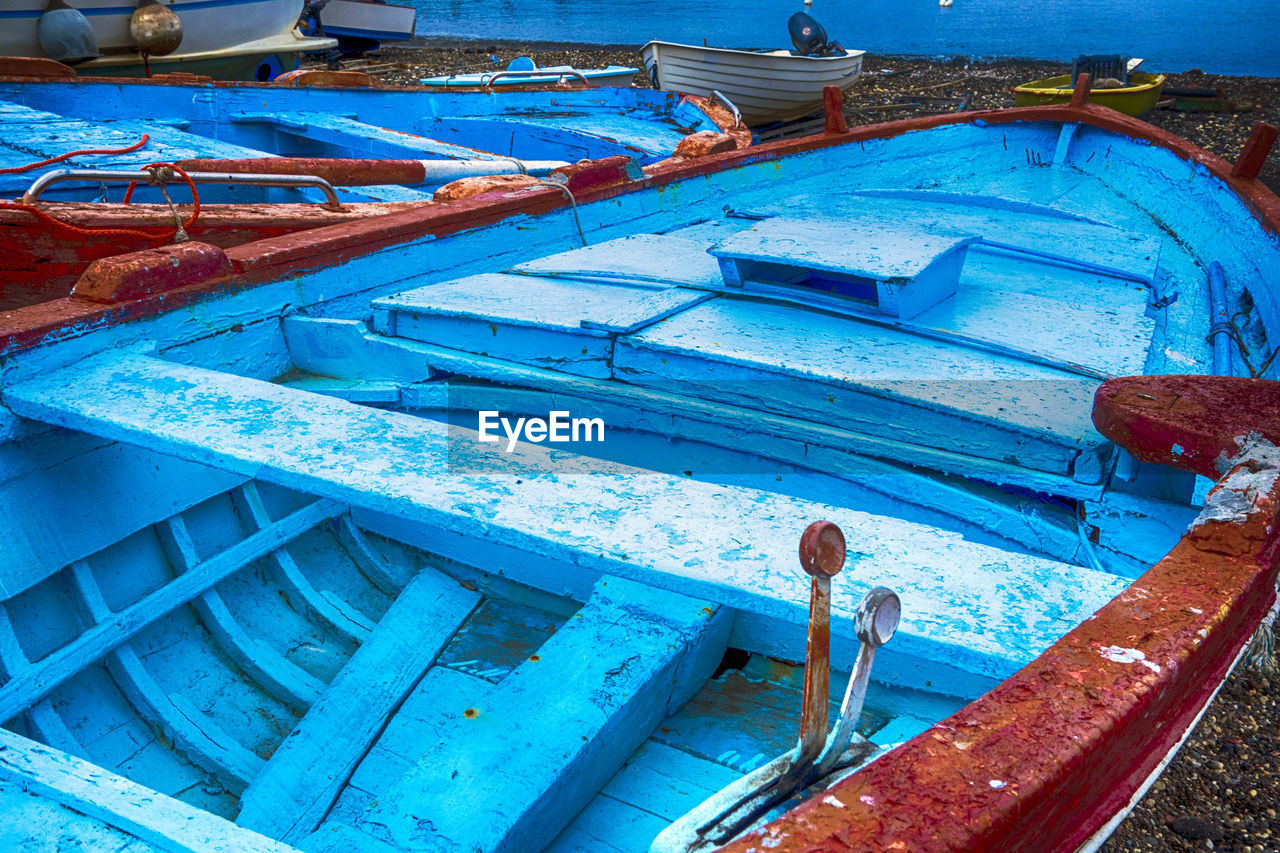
x: 822, y: 552
x: 818, y: 755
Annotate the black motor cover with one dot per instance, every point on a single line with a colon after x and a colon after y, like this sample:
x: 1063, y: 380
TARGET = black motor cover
x: 807, y: 35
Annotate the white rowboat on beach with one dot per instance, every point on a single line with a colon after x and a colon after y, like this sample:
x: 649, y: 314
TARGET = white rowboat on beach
x: 765, y: 86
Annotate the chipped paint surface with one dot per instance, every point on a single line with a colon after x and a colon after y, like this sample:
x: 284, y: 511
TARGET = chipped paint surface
x: 1115, y: 654
x: 1094, y: 721
x: 972, y: 607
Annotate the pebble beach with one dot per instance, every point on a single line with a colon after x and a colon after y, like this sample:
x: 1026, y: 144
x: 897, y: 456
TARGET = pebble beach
x: 891, y: 88
x: 1223, y: 789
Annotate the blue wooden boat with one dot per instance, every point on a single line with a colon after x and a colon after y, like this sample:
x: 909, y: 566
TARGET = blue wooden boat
x: 317, y: 149
x: 278, y: 578
x: 333, y: 115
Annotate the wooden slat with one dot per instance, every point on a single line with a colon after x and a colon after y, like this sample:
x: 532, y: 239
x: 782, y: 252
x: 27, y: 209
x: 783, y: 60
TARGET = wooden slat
x: 192, y: 731
x: 167, y: 823
x: 47, y: 725
x: 512, y: 771
x: 36, y: 682
x: 668, y: 782
x: 646, y: 311
x: 344, y: 618
x: 371, y: 564
x: 305, y: 775
x: 45, y: 722
x: 32, y: 823
x: 278, y: 675
x: 608, y: 824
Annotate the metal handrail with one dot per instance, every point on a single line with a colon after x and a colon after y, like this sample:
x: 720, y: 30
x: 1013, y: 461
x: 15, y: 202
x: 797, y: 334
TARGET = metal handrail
x: 716, y: 94
x: 538, y: 72
x: 149, y: 178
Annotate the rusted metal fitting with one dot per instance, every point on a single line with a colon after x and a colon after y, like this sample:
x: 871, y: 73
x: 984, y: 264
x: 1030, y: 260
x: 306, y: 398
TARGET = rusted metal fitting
x: 822, y: 552
x: 822, y: 549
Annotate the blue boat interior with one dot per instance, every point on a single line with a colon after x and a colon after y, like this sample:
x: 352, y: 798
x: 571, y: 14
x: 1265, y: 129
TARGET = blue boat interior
x: 272, y: 561
x: 185, y: 121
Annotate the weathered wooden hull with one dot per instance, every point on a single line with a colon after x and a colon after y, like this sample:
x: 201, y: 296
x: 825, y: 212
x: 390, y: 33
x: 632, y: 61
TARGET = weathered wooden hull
x: 384, y: 150
x: 317, y: 371
x: 764, y: 86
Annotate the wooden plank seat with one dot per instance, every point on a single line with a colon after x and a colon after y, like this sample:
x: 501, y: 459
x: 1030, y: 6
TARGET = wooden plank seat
x: 569, y: 324
x: 971, y: 611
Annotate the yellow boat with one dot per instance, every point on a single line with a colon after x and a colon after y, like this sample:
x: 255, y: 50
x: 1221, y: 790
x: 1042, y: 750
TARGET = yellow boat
x: 1140, y: 95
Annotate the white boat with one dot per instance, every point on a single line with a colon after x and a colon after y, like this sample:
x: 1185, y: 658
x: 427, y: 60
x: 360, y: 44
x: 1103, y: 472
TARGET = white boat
x: 523, y: 71
x: 366, y: 19
x: 225, y: 39
x: 764, y: 86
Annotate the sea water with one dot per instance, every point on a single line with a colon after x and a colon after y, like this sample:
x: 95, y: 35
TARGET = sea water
x: 1218, y: 36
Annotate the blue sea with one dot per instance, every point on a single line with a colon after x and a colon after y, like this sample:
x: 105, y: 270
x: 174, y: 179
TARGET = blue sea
x: 1218, y: 36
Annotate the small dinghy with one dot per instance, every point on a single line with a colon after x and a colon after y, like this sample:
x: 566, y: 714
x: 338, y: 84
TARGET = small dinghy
x: 763, y: 86
x: 1115, y: 84
x: 523, y: 71
x: 828, y: 494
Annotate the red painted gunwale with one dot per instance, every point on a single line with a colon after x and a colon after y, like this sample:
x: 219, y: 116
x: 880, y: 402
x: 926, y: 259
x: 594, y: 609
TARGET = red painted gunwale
x: 1045, y: 759
x: 277, y: 256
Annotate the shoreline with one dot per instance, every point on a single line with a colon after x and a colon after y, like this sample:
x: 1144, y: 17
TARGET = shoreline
x: 892, y: 86
x: 428, y: 42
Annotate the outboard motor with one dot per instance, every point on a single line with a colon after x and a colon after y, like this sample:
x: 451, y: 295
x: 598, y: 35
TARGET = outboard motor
x: 65, y: 34
x: 809, y: 38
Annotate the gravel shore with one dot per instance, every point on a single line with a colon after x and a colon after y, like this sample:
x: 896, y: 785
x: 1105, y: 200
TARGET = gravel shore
x: 1223, y: 790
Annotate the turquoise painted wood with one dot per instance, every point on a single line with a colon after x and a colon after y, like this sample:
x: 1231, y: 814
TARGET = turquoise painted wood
x: 31, y: 821
x: 657, y: 259
x: 285, y: 679
x: 165, y: 823
x: 253, y: 426
x: 417, y: 727
x: 519, y: 766
x: 290, y: 796
x: 42, y: 677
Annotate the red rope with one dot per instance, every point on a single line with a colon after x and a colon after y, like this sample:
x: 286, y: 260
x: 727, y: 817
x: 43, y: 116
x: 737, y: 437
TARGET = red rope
x: 82, y: 153
x: 195, y: 195
x: 76, y: 229
x: 59, y: 224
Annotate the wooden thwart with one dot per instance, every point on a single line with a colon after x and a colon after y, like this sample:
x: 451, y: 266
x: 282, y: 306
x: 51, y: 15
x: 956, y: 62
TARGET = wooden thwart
x: 305, y: 775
